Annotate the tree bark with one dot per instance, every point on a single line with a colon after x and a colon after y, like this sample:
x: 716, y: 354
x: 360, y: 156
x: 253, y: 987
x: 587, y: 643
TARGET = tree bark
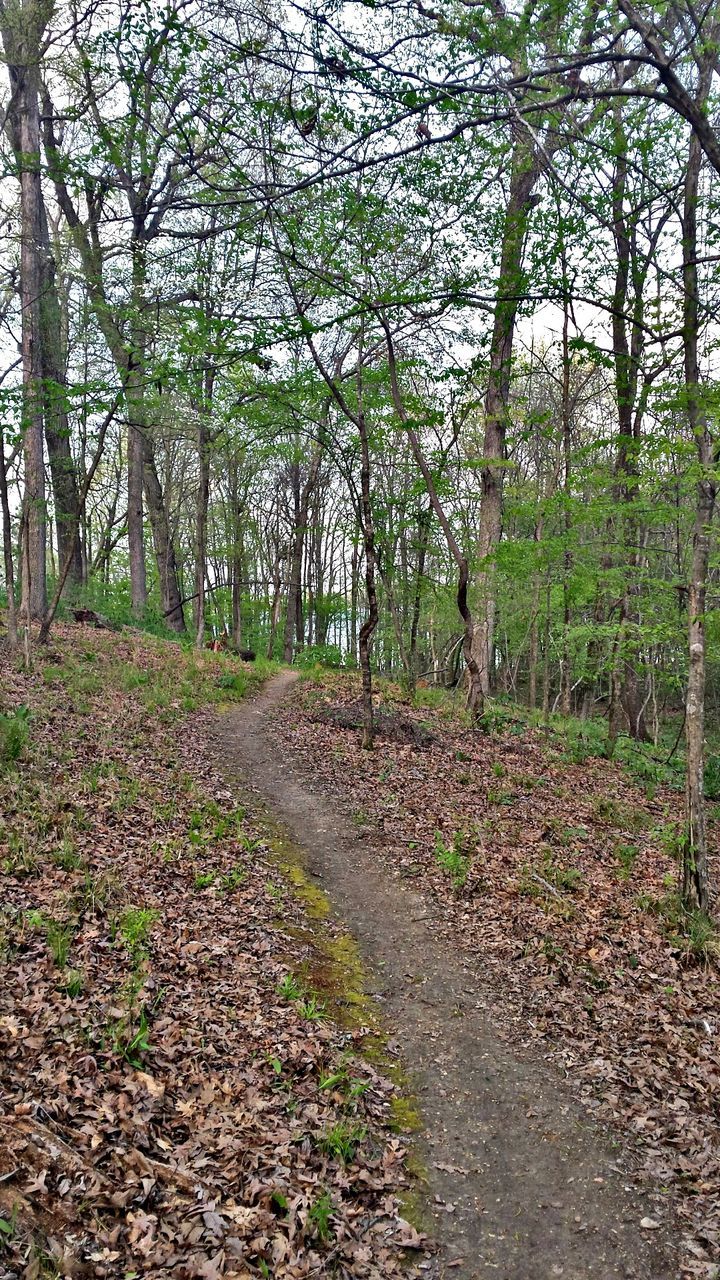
x: 694, y: 881
x: 204, y: 442
x: 301, y: 506
x: 162, y: 541
x: 524, y: 175
x: 22, y: 25
x: 57, y: 428
x: 424, y: 518
x: 12, y: 631
x: 371, y: 621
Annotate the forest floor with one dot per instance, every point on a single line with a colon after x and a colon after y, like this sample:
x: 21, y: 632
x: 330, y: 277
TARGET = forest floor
x: 175, y: 1101
x: 517, y: 916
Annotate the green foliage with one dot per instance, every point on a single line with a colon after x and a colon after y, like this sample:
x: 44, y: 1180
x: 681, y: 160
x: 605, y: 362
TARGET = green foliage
x: 453, y: 858
x: 432, y: 696
x: 692, y: 933
x: 626, y: 855
x: 59, y: 934
x: 232, y: 880
x: 323, y: 655
x: 311, y: 1008
x: 319, y: 1215
x: 8, y: 1227
x: 494, y: 719
x: 66, y: 856
x: 22, y: 860
x: 539, y: 881
x: 130, y: 1037
x: 235, y: 682
x: 74, y: 983
x: 14, y: 732
x: 290, y: 988
x: 341, y: 1140
x: 98, y: 892
x: 133, y: 927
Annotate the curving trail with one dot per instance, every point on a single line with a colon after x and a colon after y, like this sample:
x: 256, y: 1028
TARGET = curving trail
x: 521, y: 1187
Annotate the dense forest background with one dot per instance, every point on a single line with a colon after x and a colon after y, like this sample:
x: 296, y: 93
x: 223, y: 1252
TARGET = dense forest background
x: 376, y: 333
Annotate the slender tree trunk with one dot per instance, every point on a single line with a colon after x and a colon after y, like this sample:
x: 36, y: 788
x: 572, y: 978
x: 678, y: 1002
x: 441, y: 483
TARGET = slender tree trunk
x: 201, y: 515
x: 628, y: 342
x: 424, y: 518
x: 694, y: 882
x: 546, y: 654
x: 371, y: 621
x: 236, y: 559
x: 295, y: 566
x: 534, y: 621
x: 354, y: 593
x: 12, y: 632
x: 163, y: 542
x: 21, y: 39
x: 276, y: 608
x: 203, y: 501
x: 566, y: 675
x: 137, y: 429
x: 524, y: 175
x: 57, y: 428
x: 302, y: 494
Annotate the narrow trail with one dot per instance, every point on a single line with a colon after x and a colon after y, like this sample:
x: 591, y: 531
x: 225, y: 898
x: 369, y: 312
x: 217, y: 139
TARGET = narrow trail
x: 521, y: 1186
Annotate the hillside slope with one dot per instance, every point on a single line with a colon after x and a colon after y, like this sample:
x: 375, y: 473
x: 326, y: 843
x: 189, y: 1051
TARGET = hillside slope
x: 174, y: 1101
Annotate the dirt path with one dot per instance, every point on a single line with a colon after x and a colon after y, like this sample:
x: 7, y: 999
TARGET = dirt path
x: 521, y: 1188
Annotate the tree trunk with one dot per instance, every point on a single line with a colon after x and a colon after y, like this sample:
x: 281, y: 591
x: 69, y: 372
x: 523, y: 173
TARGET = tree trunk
x: 236, y: 558
x: 295, y: 566
x: 535, y: 620
x: 57, y: 428
x: 371, y: 621
x: 694, y: 882
x: 294, y: 625
x: 524, y: 175
x: 162, y: 541
x: 203, y: 501
x: 12, y: 632
x: 566, y: 673
x: 201, y: 515
x: 133, y: 369
x: 627, y: 352
x: 21, y: 39
x: 276, y: 607
x: 424, y: 518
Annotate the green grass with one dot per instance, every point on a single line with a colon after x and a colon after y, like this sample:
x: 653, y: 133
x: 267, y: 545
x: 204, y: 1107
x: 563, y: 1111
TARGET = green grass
x: 14, y: 733
x: 341, y: 1140
x: 692, y: 933
x: 133, y: 927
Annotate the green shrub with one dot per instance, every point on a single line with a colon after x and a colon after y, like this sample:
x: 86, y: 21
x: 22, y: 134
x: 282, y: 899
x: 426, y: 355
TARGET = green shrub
x: 324, y: 655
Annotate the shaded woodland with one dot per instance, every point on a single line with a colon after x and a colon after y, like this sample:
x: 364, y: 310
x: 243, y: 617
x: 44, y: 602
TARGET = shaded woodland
x: 380, y: 335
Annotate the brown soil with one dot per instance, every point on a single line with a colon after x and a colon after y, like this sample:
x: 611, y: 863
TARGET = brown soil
x: 520, y: 1187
